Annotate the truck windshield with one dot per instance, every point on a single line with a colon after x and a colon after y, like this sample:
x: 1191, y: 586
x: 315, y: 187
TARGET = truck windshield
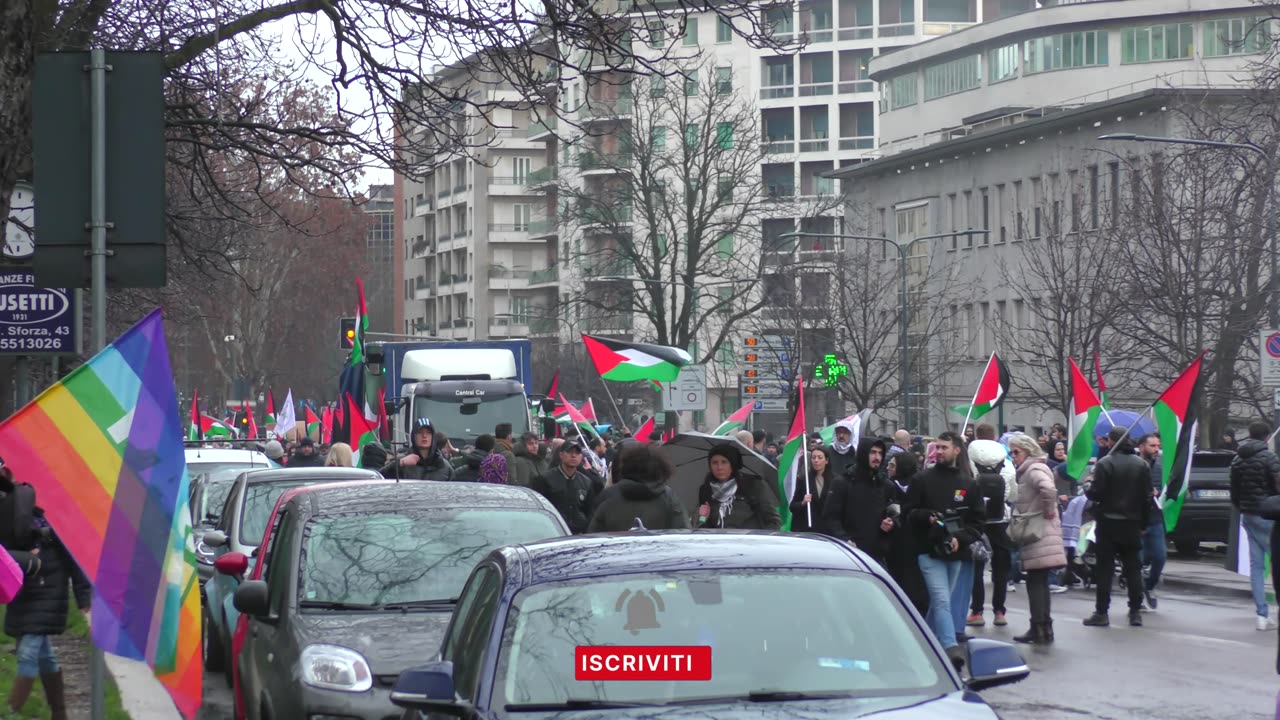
x: 464, y: 423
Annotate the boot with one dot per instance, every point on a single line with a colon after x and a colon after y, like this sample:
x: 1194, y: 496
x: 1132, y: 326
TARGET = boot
x: 22, y: 687
x: 55, y: 695
x: 1098, y: 620
x: 1030, y: 636
x: 1048, y: 632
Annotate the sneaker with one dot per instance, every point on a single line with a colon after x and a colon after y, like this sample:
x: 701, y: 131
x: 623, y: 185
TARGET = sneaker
x: 1055, y: 589
x: 1098, y: 620
x: 1265, y: 623
x: 1152, y: 602
x: 975, y: 620
x: 1000, y: 621
x: 1013, y: 587
x: 1135, y: 618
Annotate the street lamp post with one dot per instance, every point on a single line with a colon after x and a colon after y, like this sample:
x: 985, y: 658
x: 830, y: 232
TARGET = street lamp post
x: 904, y: 315
x: 1273, y: 284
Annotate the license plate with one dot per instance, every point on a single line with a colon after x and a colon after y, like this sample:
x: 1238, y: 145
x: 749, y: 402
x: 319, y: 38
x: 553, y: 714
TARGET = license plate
x: 1216, y: 494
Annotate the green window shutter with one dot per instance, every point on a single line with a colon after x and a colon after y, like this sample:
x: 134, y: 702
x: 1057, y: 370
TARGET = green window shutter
x: 662, y: 245
x: 724, y: 31
x: 690, y: 135
x: 691, y: 32
x: 724, y: 136
x: 691, y: 86
x: 658, y: 138
x: 724, y: 245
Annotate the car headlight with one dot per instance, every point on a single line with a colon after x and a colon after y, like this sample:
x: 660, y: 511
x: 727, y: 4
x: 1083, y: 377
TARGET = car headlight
x: 331, y: 667
x: 204, y: 554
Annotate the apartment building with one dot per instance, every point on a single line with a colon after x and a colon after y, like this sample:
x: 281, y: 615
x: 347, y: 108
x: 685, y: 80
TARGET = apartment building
x: 995, y: 128
x: 381, y: 292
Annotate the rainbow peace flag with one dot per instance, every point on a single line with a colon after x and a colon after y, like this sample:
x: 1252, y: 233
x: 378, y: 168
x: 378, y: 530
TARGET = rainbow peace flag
x: 103, y: 449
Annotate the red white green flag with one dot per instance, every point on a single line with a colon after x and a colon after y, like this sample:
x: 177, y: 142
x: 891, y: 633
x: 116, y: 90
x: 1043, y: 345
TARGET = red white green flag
x: 791, y: 463
x: 992, y: 389
x: 858, y: 420
x: 620, y: 361
x: 363, y: 432
x: 1102, y: 385
x: 326, y: 425
x: 589, y: 411
x: 576, y: 417
x: 1085, y: 409
x: 193, y: 432
x: 214, y: 428
x: 645, y: 433
x: 736, y: 421
x: 252, y: 421
x: 1177, y: 413
x: 313, y: 423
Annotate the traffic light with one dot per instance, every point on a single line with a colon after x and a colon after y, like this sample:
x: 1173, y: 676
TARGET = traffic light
x: 347, y: 332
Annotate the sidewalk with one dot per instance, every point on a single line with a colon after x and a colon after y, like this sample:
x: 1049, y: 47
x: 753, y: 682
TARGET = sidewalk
x: 1205, y: 576
x: 141, y: 694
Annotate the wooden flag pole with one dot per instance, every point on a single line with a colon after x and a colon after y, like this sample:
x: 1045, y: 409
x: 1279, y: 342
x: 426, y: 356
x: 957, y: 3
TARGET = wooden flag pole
x: 616, y: 411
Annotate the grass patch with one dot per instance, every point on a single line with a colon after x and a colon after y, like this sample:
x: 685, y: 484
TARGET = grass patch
x: 36, y: 706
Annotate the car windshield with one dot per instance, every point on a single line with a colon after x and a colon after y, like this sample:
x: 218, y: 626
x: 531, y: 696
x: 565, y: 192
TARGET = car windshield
x: 259, y: 500
x: 803, y: 631
x: 215, y: 488
x: 407, y: 557
x: 463, y: 423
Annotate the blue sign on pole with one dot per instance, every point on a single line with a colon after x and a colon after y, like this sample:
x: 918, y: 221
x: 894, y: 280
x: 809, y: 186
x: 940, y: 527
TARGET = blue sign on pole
x: 35, y: 321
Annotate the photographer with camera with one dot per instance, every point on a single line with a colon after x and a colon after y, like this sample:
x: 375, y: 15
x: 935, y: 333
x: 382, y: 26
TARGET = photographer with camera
x: 39, y: 611
x: 945, y: 511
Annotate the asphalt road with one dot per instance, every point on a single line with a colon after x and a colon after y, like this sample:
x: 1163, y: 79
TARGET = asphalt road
x: 1196, y: 657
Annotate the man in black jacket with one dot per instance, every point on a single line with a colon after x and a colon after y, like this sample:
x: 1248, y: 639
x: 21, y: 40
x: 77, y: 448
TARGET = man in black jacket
x: 567, y: 488
x: 1121, y: 495
x: 855, y: 511
x: 1255, y: 476
x: 426, y: 462
x: 945, y: 512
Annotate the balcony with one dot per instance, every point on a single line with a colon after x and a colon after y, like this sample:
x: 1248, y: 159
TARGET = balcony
x: 906, y: 29
x: 816, y: 144
x: 422, y: 327
x: 424, y: 206
x: 589, y: 161
x: 607, y: 323
x: 542, y: 130
x: 509, y: 327
x: 779, y: 145
x: 459, y: 189
x: 459, y: 323
x: 779, y: 192
x: 542, y: 229
x: 599, y: 108
x: 509, y: 186
x: 943, y: 28
x: 443, y: 194
x: 510, y: 233
x: 605, y: 215
x: 503, y: 279
x: 817, y: 89
x: 608, y: 270
x: 776, y: 92
x: 856, y: 32
x: 421, y: 249
x: 544, y: 326
x: 549, y: 276
x: 423, y: 289
x: 540, y: 177
x: 862, y: 142
x: 819, y: 187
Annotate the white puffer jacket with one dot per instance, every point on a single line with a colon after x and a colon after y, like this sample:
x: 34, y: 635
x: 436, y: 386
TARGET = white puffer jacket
x: 991, y: 453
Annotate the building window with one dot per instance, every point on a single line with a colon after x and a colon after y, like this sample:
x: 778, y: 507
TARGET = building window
x: 1156, y: 42
x: 1068, y: 50
x: 1235, y: 36
x: 912, y: 223
x: 657, y: 34
x: 521, y: 168
x: 1094, y: 198
x: 1002, y: 63
x: 724, y: 136
x: 658, y: 138
x: 691, y: 85
x: 690, y: 31
x: 724, y: 246
x: 690, y: 135
x: 724, y: 80
x: 952, y: 77
x: 902, y: 91
x: 724, y: 30
x: 657, y: 86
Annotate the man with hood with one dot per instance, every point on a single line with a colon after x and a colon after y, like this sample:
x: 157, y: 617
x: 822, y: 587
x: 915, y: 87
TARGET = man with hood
x: 998, y: 482
x: 529, y: 461
x: 306, y: 455
x: 843, y: 453
x: 640, y: 492
x: 857, y: 510
x: 425, y: 462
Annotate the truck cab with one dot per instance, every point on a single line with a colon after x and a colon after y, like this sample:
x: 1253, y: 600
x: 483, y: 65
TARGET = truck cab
x: 465, y: 392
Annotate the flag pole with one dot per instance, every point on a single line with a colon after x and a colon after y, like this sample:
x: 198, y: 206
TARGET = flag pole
x: 617, y: 413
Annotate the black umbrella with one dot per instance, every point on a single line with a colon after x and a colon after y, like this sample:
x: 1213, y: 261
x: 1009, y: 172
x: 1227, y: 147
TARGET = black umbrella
x: 689, y: 452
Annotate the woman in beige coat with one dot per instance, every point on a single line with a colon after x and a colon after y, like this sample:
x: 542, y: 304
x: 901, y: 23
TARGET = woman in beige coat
x: 1037, y: 494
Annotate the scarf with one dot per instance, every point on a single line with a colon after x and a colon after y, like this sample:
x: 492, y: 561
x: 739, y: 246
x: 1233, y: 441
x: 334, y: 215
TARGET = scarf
x: 816, y: 482
x: 723, y: 493
x: 842, y: 447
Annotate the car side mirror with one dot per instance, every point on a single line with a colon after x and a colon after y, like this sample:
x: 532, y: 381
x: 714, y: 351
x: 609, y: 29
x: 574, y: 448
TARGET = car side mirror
x: 993, y: 663
x: 215, y: 538
x: 429, y: 688
x: 252, y: 599
x: 232, y: 563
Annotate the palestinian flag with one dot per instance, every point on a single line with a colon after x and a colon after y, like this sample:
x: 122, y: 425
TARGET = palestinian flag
x: 1102, y: 386
x: 252, y: 421
x: 271, y: 405
x: 589, y: 411
x: 620, y: 361
x: 193, y: 432
x: 1085, y: 409
x: 791, y: 462
x: 215, y: 428
x: 1177, y: 413
x: 313, y: 423
x: 736, y: 421
x: 326, y: 425
x: 645, y: 433
x: 362, y: 431
x: 585, y: 427
x: 992, y: 389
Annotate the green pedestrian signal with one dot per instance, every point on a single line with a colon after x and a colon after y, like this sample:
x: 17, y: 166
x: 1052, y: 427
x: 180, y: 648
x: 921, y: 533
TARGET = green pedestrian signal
x: 830, y: 370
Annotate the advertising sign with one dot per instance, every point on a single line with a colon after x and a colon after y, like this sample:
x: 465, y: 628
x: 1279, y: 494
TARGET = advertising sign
x: 35, y: 321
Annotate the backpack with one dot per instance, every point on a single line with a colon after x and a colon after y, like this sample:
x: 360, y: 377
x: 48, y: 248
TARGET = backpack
x: 17, y: 515
x: 991, y: 485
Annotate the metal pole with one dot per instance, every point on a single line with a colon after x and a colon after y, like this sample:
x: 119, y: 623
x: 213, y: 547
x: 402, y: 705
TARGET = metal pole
x: 98, y: 284
x: 905, y: 320
x: 1274, y: 289
x: 22, y: 371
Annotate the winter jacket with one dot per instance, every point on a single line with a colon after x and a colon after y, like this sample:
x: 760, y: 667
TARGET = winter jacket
x: 470, y: 470
x: 1037, y: 494
x: 858, y: 504
x: 1121, y: 488
x: 1255, y: 474
x: 842, y: 462
x: 754, y: 507
x: 573, y: 496
x: 434, y: 467
x: 800, y: 515
x: 507, y: 451
x: 298, y: 460
x: 949, y: 492
x: 652, y: 501
x: 525, y: 468
x: 992, y: 454
x: 41, y: 606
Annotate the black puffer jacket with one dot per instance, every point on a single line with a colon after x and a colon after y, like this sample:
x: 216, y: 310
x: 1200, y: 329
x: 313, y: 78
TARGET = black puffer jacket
x: 470, y: 470
x: 573, y: 497
x: 1254, y: 475
x: 651, y: 500
x: 41, y: 606
x: 434, y: 467
x: 858, y: 502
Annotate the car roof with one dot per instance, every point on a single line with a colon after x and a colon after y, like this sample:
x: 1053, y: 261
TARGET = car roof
x: 197, y: 455
x: 355, y: 498
x: 670, y: 551
x: 315, y: 474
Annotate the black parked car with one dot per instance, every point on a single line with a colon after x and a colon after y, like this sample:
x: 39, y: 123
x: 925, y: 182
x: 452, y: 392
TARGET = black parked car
x: 1206, y: 513
x: 359, y: 584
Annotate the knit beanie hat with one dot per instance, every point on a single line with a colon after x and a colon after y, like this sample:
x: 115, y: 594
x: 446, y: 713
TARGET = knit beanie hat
x: 728, y: 452
x: 373, y: 457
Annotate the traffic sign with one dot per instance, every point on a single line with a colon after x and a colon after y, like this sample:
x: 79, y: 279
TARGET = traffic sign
x: 770, y: 404
x: 688, y: 391
x: 1269, y: 353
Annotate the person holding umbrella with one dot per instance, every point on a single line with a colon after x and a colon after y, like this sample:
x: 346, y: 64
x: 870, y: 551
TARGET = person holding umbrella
x: 730, y: 499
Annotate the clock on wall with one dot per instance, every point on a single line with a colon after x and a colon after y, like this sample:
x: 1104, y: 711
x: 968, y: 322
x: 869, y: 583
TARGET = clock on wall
x: 19, y: 241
